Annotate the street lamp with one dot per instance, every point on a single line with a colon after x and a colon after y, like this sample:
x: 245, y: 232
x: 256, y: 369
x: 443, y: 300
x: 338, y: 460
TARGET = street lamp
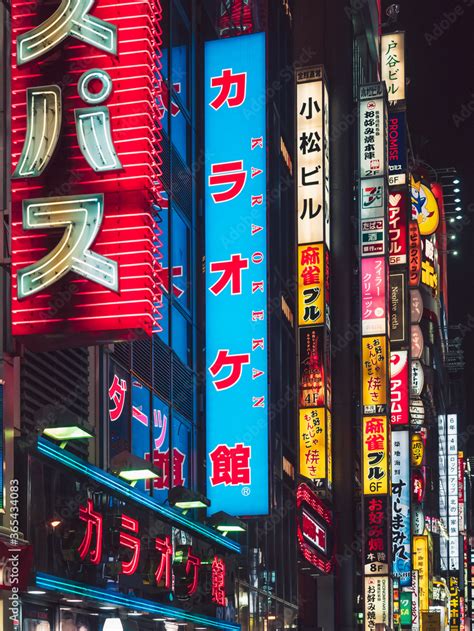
x: 65, y: 432
x: 185, y: 499
x: 132, y: 469
x: 227, y: 523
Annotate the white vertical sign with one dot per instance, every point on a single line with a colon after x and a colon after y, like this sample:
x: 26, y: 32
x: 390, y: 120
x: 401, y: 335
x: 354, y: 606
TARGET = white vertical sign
x: 393, y: 65
x: 443, y: 494
x: 312, y: 154
x: 372, y: 131
x: 453, y: 491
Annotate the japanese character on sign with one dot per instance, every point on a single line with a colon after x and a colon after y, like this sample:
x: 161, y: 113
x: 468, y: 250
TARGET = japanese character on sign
x: 226, y: 82
x: 234, y: 362
x: 117, y: 392
x: 218, y: 581
x: 163, y: 571
x: 94, y: 527
x: 132, y: 543
x: 230, y: 465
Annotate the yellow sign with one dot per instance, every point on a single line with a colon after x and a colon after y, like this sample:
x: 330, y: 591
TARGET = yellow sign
x: 421, y: 563
x: 417, y: 450
x: 375, y: 448
x: 374, y: 371
x: 311, y: 274
x: 313, y: 443
x: 424, y: 207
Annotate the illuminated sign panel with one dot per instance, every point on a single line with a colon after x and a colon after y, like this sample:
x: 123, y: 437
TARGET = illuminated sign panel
x: 397, y: 148
x: 443, y: 487
x: 398, y: 311
x: 375, y: 453
x: 372, y: 238
x: 315, y: 385
x: 454, y: 603
x: 399, y: 387
x: 372, y: 131
x: 414, y: 254
x: 453, y: 491
x: 236, y: 276
x: 374, y: 296
x: 377, y: 599
x: 313, y: 437
x: 314, y: 530
x: 85, y: 188
x: 424, y: 206
x: 311, y: 284
x: 401, y: 533
x: 397, y: 221
x: 374, y: 374
x: 372, y: 198
x: 393, y: 65
x: 313, y: 271
x: 312, y: 120
x: 420, y: 565
x: 376, y: 529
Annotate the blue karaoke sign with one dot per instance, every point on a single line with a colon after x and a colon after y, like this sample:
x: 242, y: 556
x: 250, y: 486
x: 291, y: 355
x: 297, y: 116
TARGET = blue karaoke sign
x: 236, y: 276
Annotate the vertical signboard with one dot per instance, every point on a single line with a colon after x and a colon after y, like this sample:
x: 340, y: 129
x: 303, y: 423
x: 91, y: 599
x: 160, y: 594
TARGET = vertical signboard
x: 374, y: 296
x: 84, y: 236
x: 374, y: 374
x: 377, y: 597
x: 443, y: 489
x: 236, y: 276
x: 420, y: 565
x: 375, y: 455
x: 399, y: 399
x: 454, y: 604
x: 311, y: 281
x: 312, y: 157
x: 398, y: 309
x: 393, y: 65
x: 398, y: 223
x: 372, y: 127
x: 375, y: 353
x: 313, y: 262
x: 453, y: 491
x: 415, y: 602
x: 401, y: 531
x: 397, y: 148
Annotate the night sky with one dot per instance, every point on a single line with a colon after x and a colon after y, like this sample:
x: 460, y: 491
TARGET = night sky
x: 440, y: 67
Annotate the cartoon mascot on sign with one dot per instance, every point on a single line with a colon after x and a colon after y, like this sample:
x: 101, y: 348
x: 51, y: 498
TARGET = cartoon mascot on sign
x: 424, y: 207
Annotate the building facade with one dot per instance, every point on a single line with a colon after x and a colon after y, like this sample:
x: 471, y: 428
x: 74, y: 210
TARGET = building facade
x: 226, y: 406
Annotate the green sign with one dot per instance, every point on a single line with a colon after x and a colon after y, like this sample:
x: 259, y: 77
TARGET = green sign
x: 405, y: 608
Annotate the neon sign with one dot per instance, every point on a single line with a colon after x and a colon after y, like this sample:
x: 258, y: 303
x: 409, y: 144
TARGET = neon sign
x: 236, y: 272
x: 314, y: 530
x: 179, y: 568
x: 86, y: 172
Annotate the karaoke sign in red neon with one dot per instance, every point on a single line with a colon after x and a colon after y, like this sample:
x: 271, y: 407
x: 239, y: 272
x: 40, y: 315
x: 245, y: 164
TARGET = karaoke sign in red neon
x: 86, y: 146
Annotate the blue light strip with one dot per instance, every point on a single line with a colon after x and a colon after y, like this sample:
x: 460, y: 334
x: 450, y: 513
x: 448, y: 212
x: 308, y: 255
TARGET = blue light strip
x: 46, y: 581
x: 67, y: 459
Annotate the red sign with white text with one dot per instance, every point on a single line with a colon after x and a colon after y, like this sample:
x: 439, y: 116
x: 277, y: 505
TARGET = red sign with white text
x: 399, y: 388
x: 86, y: 146
x: 397, y: 221
x: 314, y: 529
